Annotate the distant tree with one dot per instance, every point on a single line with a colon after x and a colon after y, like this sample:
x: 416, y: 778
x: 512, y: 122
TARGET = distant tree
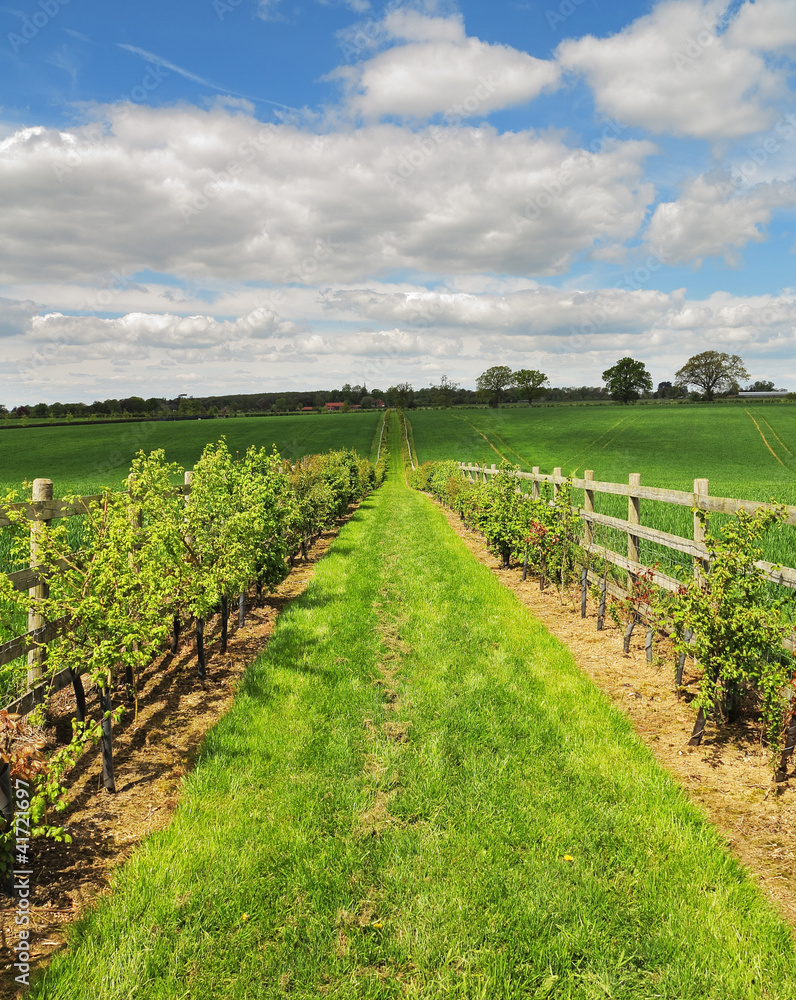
x: 493, y: 382
x: 402, y: 395
x: 189, y: 407
x: 134, y: 405
x: 40, y: 410
x: 762, y: 385
x: 627, y: 379
x: 712, y: 371
x: 280, y: 405
x: 528, y: 382
x: 367, y: 402
x: 156, y: 405
x: 444, y: 392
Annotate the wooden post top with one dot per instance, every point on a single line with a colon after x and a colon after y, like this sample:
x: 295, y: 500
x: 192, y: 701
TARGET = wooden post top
x: 42, y: 489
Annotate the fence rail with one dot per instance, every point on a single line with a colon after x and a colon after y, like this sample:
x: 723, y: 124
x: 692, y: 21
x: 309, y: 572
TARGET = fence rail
x: 694, y: 547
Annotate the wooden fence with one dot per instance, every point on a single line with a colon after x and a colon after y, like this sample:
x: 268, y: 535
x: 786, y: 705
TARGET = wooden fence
x: 635, y: 530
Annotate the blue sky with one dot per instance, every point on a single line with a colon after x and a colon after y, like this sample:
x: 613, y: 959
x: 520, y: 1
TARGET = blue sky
x: 233, y: 195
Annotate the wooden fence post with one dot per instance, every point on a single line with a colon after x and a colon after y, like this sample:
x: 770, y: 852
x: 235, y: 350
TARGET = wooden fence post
x: 701, y: 489
x: 535, y: 484
x: 700, y: 569
x: 633, y: 517
x: 588, y: 506
x: 556, y: 475
x: 42, y: 490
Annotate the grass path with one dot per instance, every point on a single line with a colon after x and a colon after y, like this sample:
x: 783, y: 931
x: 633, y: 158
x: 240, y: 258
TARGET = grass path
x: 417, y: 794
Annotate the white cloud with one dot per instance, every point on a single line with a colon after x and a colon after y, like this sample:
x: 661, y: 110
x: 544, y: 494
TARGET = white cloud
x: 670, y: 71
x: 217, y: 194
x: 543, y: 312
x: 768, y: 25
x: 439, y: 70
x: 572, y: 335
x: 142, y: 331
x: 712, y: 219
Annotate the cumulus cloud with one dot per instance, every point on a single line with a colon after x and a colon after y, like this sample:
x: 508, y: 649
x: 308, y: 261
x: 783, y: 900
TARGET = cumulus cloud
x: 673, y: 71
x: 437, y: 69
x: 573, y: 334
x: 383, y: 345
x: 218, y: 194
x: 142, y: 331
x: 768, y: 25
x: 711, y: 219
x: 541, y: 312
x: 416, y: 333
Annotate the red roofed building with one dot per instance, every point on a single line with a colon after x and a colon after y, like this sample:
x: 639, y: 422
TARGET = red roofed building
x: 335, y: 406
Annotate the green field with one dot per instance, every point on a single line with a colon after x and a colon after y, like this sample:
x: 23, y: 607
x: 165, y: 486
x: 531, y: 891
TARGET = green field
x: 747, y: 452
x: 86, y: 458
x: 418, y: 794
x: 670, y: 446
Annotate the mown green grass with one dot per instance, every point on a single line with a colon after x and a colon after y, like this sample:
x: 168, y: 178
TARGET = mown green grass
x: 87, y: 458
x: 520, y: 842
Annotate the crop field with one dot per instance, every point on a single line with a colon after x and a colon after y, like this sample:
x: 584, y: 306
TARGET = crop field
x: 747, y: 452
x: 743, y: 451
x: 87, y: 458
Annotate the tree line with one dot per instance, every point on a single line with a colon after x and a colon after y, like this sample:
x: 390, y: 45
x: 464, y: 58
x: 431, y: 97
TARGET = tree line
x: 703, y: 376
